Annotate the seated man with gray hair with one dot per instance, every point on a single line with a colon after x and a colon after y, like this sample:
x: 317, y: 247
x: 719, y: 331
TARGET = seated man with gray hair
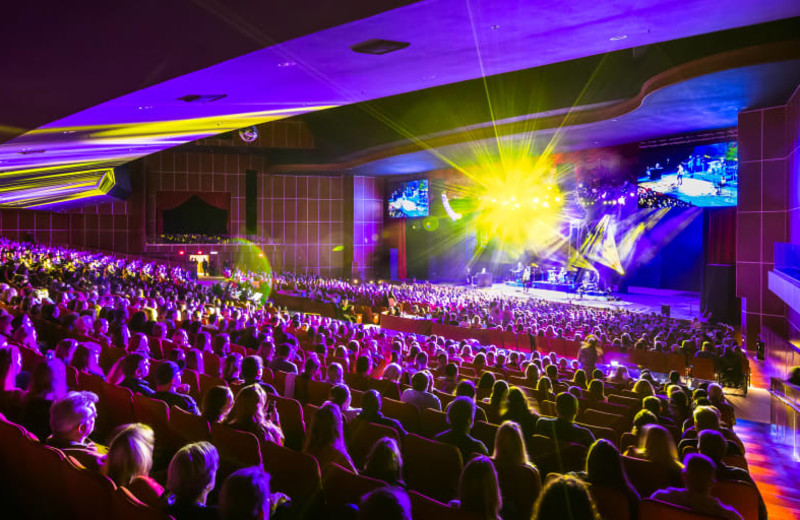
x: 72, y: 421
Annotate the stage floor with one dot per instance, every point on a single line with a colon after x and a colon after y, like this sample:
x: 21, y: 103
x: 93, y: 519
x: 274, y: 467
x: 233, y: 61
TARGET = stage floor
x: 683, y: 304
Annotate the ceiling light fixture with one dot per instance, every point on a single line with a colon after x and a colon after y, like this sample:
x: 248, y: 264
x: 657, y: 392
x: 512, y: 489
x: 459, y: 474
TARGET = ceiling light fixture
x: 202, y: 98
x: 618, y: 37
x: 378, y: 46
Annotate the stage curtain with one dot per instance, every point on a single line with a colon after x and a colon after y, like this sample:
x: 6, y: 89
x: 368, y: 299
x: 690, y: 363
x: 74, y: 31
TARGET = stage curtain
x: 721, y: 236
x: 166, y: 200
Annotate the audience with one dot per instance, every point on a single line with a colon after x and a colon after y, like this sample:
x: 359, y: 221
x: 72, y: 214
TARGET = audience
x: 154, y: 300
x: 190, y: 478
x: 48, y: 385
x: 604, y: 469
x: 371, y: 403
x: 419, y: 394
x: 130, y: 459
x: 72, y: 420
x: 386, y: 503
x: 254, y: 414
x: 168, y: 381
x: 478, y: 489
x: 562, y: 428
x: 135, y: 368
x: 565, y: 495
x: 385, y: 463
x: 460, y: 418
x: 698, y: 479
x: 325, y: 439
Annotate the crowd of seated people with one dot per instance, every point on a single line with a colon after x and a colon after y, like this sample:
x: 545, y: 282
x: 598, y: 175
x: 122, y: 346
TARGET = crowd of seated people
x: 247, y: 362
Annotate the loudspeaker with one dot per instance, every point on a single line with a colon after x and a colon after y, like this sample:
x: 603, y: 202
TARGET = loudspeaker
x: 719, y: 294
x: 251, y: 202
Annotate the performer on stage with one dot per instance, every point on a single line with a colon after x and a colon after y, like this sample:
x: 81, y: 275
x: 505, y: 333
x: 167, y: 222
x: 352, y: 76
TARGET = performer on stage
x: 526, y: 279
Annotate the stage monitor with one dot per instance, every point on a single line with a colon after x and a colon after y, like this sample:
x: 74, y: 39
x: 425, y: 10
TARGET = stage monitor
x: 689, y: 175
x: 409, y: 199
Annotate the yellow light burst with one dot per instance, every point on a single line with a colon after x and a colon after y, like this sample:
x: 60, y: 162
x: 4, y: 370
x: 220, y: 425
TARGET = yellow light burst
x: 520, y: 203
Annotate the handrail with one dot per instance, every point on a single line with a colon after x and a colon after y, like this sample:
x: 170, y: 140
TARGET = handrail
x: 785, y: 400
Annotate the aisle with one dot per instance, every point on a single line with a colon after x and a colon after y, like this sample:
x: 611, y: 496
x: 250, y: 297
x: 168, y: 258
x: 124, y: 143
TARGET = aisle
x: 774, y: 469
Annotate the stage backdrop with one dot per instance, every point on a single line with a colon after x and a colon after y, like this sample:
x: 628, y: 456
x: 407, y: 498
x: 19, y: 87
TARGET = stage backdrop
x: 192, y: 212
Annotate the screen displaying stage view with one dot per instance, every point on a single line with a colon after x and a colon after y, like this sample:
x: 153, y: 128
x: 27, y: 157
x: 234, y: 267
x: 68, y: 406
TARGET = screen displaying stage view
x: 689, y: 175
x: 409, y: 199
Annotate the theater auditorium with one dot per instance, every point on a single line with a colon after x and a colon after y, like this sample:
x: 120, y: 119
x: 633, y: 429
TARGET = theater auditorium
x: 400, y: 259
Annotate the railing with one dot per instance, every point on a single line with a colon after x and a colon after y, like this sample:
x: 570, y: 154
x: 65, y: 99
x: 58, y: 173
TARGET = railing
x: 785, y: 413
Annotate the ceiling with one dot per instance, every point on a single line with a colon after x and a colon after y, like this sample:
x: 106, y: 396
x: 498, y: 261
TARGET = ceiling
x: 98, y: 84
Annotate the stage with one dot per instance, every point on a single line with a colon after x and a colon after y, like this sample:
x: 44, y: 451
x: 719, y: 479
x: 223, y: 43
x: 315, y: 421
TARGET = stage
x: 683, y: 304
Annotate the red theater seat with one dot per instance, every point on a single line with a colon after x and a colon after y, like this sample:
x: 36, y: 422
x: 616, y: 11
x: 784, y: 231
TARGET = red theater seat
x: 432, y: 468
x: 341, y: 486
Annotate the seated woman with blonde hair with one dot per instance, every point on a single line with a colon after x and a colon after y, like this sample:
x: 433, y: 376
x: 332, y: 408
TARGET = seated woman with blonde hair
x: 657, y: 445
x: 479, y: 490
x: 130, y: 459
x: 251, y: 413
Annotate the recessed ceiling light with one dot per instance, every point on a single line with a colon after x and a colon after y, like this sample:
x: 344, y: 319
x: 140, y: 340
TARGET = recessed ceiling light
x: 495, y: 27
x: 202, y: 98
x: 378, y: 46
x: 145, y: 107
x: 285, y: 64
x: 618, y: 37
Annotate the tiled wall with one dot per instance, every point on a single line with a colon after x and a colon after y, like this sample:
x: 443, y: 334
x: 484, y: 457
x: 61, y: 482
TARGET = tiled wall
x: 762, y: 216
x: 307, y: 215
x: 793, y: 175
x: 200, y: 171
x: 367, y: 225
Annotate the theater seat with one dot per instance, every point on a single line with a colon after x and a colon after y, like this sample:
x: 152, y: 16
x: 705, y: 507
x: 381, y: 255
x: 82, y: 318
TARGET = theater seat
x: 236, y: 449
x: 128, y: 507
x: 650, y: 509
x: 186, y: 427
x: 520, y: 486
x: 406, y: 413
x: 432, y: 468
x: 155, y: 413
x: 91, y: 495
x: 612, y: 504
x: 432, y: 423
x: 646, y: 476
x: 739, y: 495
x: 485, y: 432
x: 294, y: 473
x: 363, y: 436
x: 292, y: 421
x: 341, y: 486
x: 426, y: 508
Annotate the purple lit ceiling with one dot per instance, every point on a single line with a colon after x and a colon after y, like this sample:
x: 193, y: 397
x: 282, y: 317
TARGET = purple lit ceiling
x: 451, y: 41
x: 708, y: 102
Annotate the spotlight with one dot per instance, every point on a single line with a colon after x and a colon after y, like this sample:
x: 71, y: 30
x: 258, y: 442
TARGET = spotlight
x: 181, y: 253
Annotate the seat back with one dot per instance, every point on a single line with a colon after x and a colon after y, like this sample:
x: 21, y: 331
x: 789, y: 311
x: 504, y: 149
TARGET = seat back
x: 432, y: 422
x: 155, y: 413
x: 292, y: 420
x: 92, y: 495
x: 520, y: 486
x: 612, y: 504
x: 186, y: 428
x: 116, y: 404
x: 424, y: 507
x: 703, y: 368
x: 650, y: 509
x: 406, y: 413
x: 293, y: 473
x: 485, y: 432
x: 432, y: 468
x: 128, y: 507
x: 236, y: 449
x: 646, y: 476
x: 363, y: 436
x: 341, y: 486
x: 741, y: 496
